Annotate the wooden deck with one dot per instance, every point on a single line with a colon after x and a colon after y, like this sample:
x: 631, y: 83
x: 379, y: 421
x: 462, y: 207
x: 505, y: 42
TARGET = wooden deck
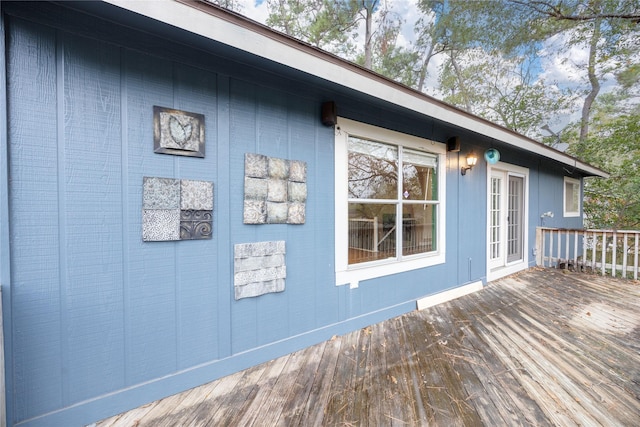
x: 538, y: 348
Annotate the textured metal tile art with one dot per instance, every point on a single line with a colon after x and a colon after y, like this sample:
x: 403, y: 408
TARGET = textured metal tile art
x: 160, y: 225
x: 178, y: 132
x: 196, y: 195
x: 259, y: 268
x: 195, y: 225
x: 275, y: 190
x: 174, y: 209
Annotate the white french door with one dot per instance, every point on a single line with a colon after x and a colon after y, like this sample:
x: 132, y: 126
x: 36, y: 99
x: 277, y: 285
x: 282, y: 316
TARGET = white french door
x: 507, y: 220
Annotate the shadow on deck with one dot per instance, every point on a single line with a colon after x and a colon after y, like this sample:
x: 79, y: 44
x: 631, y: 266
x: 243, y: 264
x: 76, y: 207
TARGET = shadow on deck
x: 539, y: 348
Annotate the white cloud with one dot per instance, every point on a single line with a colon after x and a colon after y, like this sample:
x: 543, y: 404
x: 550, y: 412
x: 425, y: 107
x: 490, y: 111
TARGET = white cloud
x: 256, y: 10
x: 408, y: 12
x: 562, y: 65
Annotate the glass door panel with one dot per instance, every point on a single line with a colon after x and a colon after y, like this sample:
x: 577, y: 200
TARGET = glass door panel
x: 495, y: 219
x: 515, y: 219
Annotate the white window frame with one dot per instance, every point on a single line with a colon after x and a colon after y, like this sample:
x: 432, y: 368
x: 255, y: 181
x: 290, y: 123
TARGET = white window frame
x: 353, y: 274
x: 575, y: 182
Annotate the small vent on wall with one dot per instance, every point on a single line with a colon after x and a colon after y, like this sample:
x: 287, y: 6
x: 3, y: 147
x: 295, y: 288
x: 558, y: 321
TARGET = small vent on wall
x: 329, y: 113
x: 453, y: 144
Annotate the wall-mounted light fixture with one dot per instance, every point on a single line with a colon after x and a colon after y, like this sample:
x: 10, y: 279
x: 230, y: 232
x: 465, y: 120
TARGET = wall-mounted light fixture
x: 471, y: 162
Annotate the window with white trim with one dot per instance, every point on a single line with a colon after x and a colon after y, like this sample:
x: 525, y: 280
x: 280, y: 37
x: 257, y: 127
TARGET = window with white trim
x: 571, y: 197
x: 389, y: 202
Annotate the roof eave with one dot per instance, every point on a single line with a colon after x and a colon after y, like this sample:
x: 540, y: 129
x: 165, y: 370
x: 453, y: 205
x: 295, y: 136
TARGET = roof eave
x: 232, y: 29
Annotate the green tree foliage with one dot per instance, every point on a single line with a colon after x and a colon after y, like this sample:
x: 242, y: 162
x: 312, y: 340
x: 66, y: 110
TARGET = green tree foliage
x: 606, y: 28
x: 613, y: 144
x: 486, y: 56
x: 234, y: 5
x: 487, y: 72
x: 364, y: 31
x: 325, y: 24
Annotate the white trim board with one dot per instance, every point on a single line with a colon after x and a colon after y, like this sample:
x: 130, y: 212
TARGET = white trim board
x: 442, y: 297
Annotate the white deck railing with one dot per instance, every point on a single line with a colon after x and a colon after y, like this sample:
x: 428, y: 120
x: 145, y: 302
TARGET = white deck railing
x: 363, y: 234
x: 366, y: 234
x: 613, y: 252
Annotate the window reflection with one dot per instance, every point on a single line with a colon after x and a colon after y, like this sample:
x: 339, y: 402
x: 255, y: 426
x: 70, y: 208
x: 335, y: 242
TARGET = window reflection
x: 419, y: 177
x: 375, y: 231
x: 373, y: 170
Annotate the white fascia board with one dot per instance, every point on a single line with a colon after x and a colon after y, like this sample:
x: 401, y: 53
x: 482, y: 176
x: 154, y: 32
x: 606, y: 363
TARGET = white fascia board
x: 301, y: 57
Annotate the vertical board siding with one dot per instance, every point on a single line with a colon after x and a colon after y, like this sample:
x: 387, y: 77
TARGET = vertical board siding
x: 222, y: 213
x: 36, y: 316
x: 97, y: 312
x: 534, y: 211
x: 551, y: 185
x: 151, y: 318
x: 196, y: 290
x: 104, y: 311
x: 302, y: 273
x: 89, y: 189
x: 6, y: 383
x: 322, y: 218
x: 466, y: 219
x: 93, y: 314
x: 243, y: 134
x: 272, y: 140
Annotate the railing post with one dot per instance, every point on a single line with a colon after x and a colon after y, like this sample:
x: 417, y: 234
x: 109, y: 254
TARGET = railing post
x: 566, y: 250
x: 604, y: 253
x: 593, y: 252
x: 575, y: 250
x: 375, y: 234
x: 559, y: 247
x: 539, y: 246
x: 544, y: 246
x: 550, y: 248
x: 635, y: 258
x: 614, y: 252
x: 625, y: 248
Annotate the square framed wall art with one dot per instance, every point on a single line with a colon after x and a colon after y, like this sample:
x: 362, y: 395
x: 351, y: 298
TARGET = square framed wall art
x: 177, y: 132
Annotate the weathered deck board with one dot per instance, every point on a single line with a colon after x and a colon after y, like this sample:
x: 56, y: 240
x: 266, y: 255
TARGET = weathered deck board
x: 539, y: 348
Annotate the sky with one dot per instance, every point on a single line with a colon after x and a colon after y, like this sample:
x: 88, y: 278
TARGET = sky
x: 406, y: 9
x: 563, y: 69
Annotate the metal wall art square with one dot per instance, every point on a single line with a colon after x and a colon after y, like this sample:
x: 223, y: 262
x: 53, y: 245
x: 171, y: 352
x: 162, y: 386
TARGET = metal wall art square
x: 259, y: 268
x: 178, y: 132
x: 275, y: 190
x: 176, y: 209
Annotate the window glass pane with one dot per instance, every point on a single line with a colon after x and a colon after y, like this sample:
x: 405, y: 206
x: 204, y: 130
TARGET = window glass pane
x: 572, y: 193
x: 494, y: 243
x: 568, y: 189
x: 419, y: 177
x: 373, y: 170
x: 419, y: 225
x: 372, y: 232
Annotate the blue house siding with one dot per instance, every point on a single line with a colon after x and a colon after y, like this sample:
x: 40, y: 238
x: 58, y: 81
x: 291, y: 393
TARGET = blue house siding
x: 96, y: 310
x: 98, y: 321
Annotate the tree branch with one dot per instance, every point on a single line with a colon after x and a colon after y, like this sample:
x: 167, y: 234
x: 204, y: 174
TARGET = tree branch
x: 549, y: 9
